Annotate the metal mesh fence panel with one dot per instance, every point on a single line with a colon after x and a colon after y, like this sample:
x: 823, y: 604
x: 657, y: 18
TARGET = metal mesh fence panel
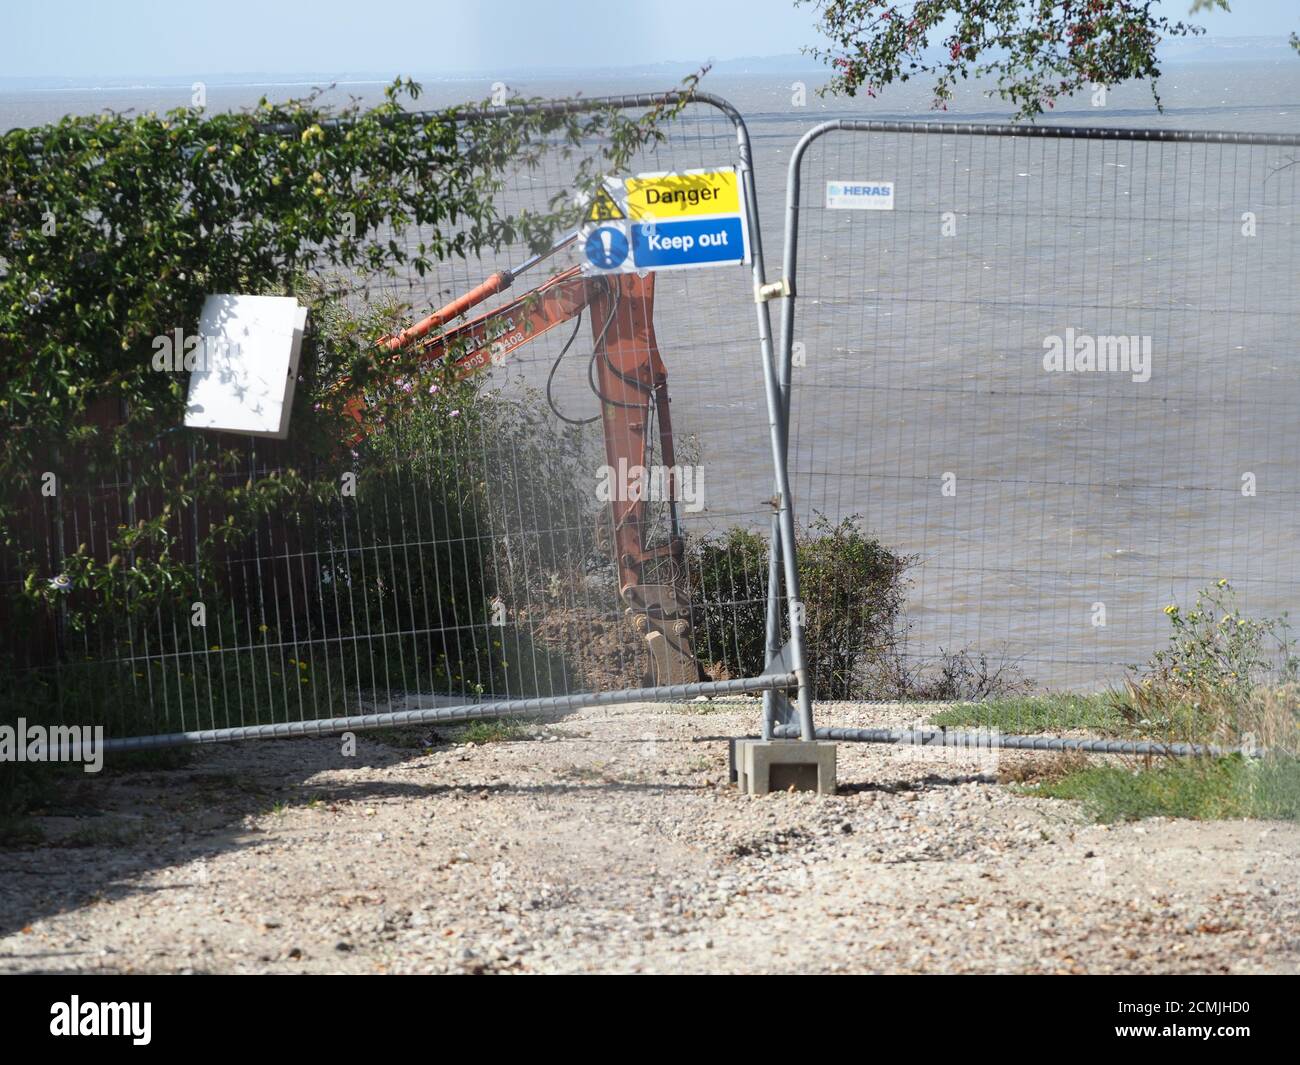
x: 1052, y: 371
x: 475, y: 546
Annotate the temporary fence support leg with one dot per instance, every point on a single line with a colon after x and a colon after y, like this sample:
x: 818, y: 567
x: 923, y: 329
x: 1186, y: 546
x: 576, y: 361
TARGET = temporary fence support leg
x: 773, y: 620
x: 782, y: 546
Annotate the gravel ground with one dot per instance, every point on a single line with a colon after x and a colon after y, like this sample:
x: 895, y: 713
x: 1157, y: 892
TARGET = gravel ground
x: 613, y: 843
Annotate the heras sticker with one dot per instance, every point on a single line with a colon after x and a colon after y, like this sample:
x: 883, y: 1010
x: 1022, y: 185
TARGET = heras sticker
x: 860, y: 195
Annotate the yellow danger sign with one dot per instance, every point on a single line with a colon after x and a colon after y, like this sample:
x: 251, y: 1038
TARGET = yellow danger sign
x: 682, y: 194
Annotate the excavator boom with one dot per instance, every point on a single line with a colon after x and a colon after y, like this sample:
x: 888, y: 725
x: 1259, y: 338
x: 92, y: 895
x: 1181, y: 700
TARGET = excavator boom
x: 631, y: 382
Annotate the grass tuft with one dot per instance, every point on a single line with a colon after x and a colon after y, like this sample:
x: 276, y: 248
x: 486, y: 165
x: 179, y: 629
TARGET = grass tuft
x: 1202, y: 789
x: 1027, y: 714
x: 495, y: 730
x: 18, y: 832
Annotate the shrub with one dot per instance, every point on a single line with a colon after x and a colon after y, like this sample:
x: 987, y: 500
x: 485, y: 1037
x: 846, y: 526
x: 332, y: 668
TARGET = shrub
x: 950, y: 676
x: 728, y: 578
x: 116, y: 229
x: 1223, y: 678
x: 852, y: 587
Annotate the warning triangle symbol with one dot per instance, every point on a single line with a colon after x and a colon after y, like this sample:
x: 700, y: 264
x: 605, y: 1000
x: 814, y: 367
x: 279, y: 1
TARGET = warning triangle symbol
x: 603, y: 208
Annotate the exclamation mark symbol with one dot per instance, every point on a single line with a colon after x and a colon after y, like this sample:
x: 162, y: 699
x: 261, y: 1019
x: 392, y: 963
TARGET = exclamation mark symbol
x: 607, y: 241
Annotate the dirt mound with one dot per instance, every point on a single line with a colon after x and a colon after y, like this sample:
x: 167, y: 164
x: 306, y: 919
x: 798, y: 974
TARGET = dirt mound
x: 603, y: 650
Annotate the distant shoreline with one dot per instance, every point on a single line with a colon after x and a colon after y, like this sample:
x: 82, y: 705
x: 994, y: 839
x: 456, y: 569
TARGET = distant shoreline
x: 1200, y: 51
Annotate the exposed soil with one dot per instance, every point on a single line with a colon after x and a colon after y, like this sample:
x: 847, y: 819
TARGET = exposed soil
x: 606, y: 653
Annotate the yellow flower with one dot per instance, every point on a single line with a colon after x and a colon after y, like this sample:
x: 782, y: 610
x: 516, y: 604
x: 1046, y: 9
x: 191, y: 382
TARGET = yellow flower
x: 1171, y: 609
x: 261, y: 628
x: 1223, y: 582
x: 215, y: 647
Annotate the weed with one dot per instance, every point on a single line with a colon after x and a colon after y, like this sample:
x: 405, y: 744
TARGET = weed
x: 1231, y: 787
x: 495, y: 730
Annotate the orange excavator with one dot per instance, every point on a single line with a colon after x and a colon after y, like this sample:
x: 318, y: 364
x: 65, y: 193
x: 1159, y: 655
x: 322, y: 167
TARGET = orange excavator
x: 629, y: 378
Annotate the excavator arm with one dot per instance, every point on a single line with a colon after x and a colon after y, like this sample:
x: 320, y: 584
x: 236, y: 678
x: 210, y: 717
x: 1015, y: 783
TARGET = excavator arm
x: 631, y: 382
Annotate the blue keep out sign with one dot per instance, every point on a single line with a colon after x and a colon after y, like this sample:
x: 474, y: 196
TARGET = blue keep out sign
x: 688, y: 242
x: 606, y: 247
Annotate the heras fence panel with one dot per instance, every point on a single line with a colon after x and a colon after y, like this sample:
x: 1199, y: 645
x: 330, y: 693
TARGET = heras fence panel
x: 515, y: 524
x: 1048, y: 375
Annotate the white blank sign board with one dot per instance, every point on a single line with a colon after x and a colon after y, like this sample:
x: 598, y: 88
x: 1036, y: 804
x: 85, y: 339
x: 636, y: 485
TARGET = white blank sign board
x: 245, y: 382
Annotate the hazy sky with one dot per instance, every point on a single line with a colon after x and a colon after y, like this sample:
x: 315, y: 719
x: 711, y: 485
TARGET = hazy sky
x: 168, y: 38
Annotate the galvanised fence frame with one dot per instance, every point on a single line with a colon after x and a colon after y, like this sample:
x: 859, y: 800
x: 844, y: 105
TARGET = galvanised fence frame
x: 918, y: 137
x: 785, y: 671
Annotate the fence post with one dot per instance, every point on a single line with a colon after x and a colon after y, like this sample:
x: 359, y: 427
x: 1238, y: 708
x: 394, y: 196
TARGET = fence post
x: 782, y: 542
x: 776, y: 559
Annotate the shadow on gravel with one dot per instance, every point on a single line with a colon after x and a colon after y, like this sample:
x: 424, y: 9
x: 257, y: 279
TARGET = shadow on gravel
x: 104, y: 835
x: 100, y: 970
x: 101, y: 835
x: 924, y: 784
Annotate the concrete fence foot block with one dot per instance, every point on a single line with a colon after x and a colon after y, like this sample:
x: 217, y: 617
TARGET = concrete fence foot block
x: 764, y: 766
